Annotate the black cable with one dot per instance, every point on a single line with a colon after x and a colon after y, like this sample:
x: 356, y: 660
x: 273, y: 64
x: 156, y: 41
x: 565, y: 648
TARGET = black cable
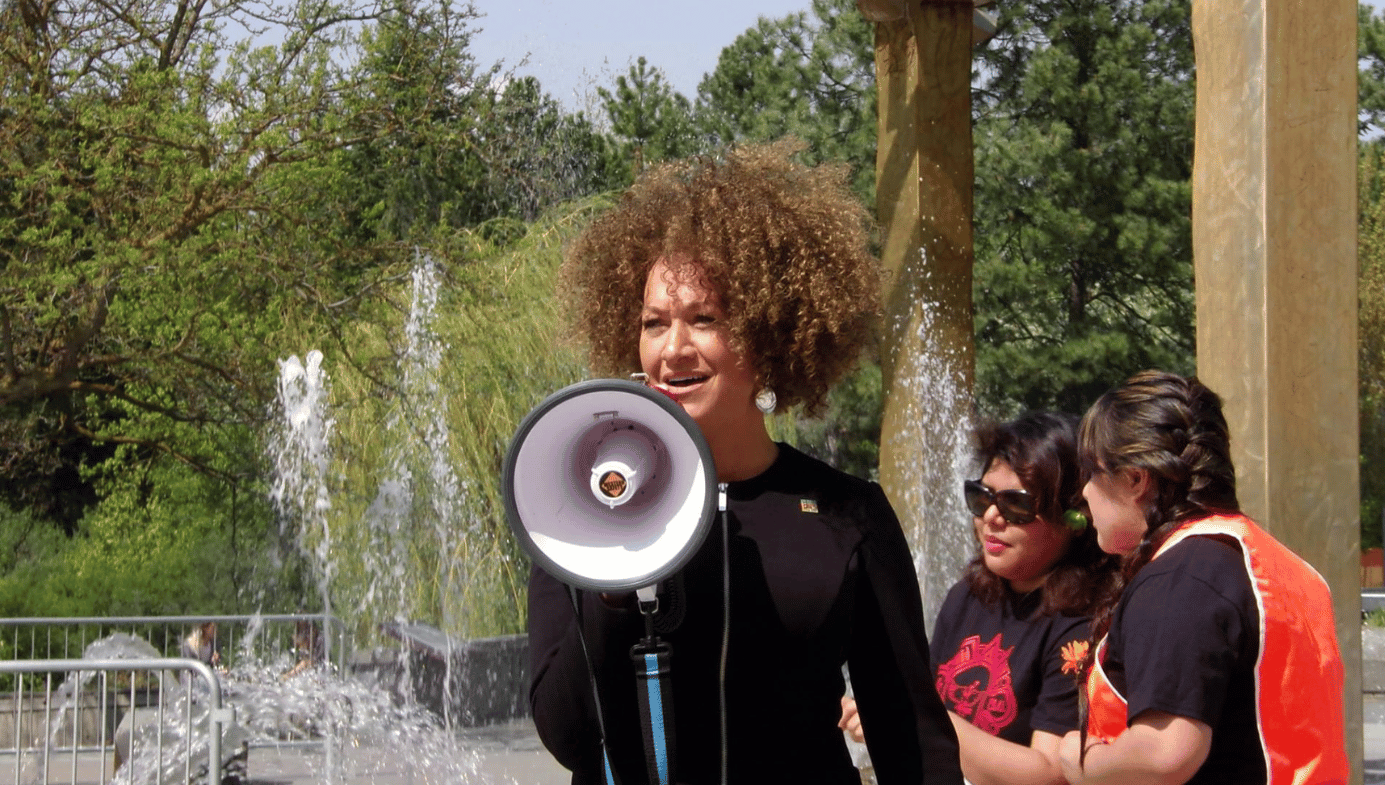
x: 596, y: 694
x: 725, y: 614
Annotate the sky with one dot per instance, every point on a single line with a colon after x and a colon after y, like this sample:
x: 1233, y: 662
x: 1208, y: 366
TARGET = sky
x: 575, y: 46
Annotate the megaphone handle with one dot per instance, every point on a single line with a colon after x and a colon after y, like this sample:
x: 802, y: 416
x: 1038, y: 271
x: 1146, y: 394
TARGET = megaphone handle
x: 596, y: 692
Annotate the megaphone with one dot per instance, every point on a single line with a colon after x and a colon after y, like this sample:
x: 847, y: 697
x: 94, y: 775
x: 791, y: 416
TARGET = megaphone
x: 609, y: 485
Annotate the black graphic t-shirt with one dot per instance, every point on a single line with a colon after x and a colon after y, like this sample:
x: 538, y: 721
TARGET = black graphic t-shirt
x: 1184, y: 640
x: 1007, y: 669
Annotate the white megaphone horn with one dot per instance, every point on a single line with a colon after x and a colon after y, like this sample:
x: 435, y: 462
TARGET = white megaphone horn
x: 609, y: 485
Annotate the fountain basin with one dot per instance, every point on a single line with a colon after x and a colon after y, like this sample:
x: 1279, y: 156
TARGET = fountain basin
x: 465, y: 683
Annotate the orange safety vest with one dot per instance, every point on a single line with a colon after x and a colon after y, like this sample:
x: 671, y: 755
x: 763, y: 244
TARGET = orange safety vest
x: 1298, y: 673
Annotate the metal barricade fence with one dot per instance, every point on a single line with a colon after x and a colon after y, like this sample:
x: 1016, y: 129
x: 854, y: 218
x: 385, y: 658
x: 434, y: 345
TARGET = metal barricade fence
x: 69, y: 731
x: 260, y: 635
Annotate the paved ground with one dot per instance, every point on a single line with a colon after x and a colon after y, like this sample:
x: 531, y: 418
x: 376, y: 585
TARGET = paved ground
x: 508, y: 753
x: 512, y: 753
x: 1373, y: 711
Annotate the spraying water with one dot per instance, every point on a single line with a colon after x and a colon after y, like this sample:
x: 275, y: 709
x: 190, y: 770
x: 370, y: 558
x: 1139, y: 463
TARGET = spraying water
x: 300, y: 452
x: 936, y: 430
x: 420, y: 495
x: 303, y: 726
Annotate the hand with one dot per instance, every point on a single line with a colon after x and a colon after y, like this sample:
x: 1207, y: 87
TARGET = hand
x: 851, y: 720
x: 619, y: 601
x: 1070, y: 755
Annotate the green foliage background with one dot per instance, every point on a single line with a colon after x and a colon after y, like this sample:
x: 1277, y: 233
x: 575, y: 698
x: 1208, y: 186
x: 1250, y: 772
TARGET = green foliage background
x: 181, y: 208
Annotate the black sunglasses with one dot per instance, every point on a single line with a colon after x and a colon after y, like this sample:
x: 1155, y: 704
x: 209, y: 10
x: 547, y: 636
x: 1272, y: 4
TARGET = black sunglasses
x: 1016, y: 506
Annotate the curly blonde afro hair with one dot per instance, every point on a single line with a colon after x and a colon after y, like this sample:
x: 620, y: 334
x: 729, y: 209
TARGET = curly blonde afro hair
x: 786, y: 246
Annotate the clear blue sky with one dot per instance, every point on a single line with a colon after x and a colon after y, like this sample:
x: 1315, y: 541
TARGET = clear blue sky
x: 574, y: 46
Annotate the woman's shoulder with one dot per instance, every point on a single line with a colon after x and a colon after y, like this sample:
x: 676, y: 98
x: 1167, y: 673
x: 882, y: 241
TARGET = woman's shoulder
x: 1193, y: 572
x: 811, y: 477
x: 1207, y: 558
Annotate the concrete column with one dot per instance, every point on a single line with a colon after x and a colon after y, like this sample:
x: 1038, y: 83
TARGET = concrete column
x: 924, y: 200
x: 1274, y: 244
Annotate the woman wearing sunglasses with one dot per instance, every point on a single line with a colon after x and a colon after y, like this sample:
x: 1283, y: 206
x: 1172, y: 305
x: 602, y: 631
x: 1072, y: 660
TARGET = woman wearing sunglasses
x: 1010, y: 634
x: 1218, y: 662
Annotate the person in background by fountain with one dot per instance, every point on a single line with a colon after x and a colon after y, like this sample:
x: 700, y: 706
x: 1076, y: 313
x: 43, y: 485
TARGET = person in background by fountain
x: 309, y: 648
x: 201, y: 644
x: 1013, y: 631
x: 1218, y: 662
x: 731, y: 282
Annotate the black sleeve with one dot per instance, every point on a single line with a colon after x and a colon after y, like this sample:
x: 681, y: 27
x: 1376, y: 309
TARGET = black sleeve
x: 909, y: 735
x: 560, y: 689
x: 1182, y: 631
x: 1055, y: 710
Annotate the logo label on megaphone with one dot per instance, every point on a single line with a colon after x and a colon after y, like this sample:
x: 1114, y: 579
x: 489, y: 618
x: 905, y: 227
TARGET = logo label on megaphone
x: 613, y: 484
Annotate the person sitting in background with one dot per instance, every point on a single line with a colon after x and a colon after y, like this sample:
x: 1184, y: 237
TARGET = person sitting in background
x: 201, y: 644
x: 1011, y: 633
x: 308, y: 648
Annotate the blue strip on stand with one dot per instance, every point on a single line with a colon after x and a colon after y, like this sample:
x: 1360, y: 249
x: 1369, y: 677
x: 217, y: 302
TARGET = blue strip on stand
x: 606, y: 759
x: 656, y: 717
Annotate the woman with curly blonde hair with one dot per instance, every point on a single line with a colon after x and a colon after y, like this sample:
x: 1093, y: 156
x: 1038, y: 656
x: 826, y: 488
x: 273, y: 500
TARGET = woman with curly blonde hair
x: 738, y: 285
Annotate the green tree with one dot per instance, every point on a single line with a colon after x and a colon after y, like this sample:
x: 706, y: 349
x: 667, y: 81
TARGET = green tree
x: 1083, y: 130
x: 492, y: 146
x: 811, y: 75
x: 1371, y: 274
x: 172, y: 200
x: 651, y: 120
x: 1370, y: 80
x: 1371, y: 337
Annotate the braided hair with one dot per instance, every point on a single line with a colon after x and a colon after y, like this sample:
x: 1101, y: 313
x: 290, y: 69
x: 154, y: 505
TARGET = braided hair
x: 1172, y: 427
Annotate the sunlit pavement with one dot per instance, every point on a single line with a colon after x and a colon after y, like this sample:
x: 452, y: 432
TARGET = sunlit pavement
x: 1373, y: 712
x: 506, y: 753
x: 512, y: 753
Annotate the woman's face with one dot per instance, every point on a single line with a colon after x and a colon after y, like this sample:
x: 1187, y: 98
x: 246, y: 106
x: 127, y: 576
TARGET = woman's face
x: 685, y: 350
x: 1114, y: 499
x: 1022, y: 554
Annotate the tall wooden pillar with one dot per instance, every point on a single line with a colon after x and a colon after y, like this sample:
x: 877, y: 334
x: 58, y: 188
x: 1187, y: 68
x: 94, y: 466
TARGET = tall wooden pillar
x: 924, y: 200
x: 1274, y: 242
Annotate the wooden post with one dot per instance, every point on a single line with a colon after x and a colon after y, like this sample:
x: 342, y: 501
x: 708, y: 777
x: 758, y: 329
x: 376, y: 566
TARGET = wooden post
x: 1274, y: 246
x: 924, y: 200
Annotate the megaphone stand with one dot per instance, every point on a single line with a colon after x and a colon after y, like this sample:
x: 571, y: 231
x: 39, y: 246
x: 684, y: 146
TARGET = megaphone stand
x: 651, y: 657
x: 652, y: 673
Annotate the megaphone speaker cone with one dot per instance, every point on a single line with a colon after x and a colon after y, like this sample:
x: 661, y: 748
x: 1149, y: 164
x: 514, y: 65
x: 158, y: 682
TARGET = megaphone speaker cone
x: 609, y: 485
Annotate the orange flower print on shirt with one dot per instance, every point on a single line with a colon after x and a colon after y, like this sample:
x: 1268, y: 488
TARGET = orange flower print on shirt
x: 1074, y: 652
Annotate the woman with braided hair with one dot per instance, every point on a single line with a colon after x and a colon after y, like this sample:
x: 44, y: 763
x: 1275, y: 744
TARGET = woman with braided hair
x: 1218, y: 663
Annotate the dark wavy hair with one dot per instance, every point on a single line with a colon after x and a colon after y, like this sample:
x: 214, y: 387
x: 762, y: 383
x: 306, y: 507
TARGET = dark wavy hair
x: 786, y: 247
x: 1172, y: 427
x: 1041, y: 447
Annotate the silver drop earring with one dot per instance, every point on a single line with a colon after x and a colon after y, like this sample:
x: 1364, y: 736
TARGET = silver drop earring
x: 765, y: 400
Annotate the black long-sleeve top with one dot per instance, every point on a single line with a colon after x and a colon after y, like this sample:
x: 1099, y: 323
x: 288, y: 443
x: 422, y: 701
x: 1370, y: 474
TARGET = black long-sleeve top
x: 820, y: 575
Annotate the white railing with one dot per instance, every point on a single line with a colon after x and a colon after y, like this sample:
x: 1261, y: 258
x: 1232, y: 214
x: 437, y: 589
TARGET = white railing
x: 157, y: 721
x: 259, y: 635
